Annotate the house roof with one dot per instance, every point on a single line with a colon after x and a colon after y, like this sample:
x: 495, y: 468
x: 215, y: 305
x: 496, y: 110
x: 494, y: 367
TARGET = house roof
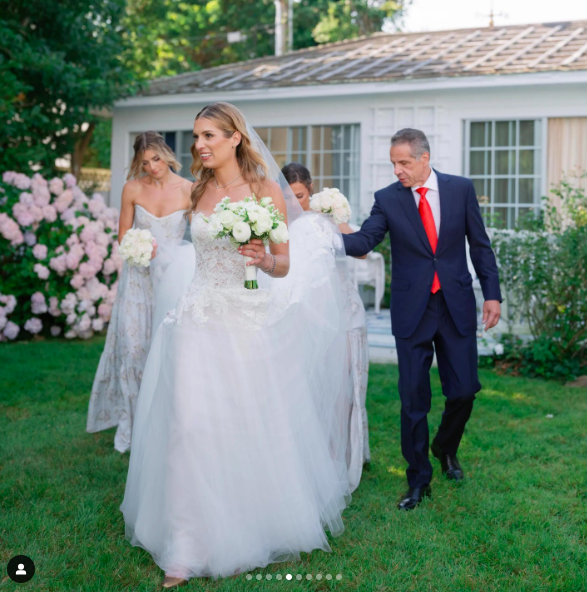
x: 400, y: 56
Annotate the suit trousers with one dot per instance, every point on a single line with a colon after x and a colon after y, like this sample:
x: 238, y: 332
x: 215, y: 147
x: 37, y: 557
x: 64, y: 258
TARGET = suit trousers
x: 457, y: 366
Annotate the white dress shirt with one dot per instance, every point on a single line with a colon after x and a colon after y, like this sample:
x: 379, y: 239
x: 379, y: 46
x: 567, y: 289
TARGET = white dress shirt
x: 433, y: 197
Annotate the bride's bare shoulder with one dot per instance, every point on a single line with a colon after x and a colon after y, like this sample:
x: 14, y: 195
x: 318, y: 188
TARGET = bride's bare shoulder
x: 272, y: 189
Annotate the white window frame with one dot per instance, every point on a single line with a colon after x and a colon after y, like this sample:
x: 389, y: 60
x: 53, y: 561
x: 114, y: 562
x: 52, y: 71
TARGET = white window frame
x: 539, y: 172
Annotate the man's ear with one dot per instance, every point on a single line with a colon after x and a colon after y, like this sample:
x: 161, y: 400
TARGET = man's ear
x: 425, y: 158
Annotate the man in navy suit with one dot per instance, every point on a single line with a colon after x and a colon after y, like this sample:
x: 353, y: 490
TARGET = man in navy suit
x: 430, y: 216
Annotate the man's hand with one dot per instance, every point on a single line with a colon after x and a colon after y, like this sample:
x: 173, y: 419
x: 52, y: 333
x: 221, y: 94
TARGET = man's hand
x: 491, y: 313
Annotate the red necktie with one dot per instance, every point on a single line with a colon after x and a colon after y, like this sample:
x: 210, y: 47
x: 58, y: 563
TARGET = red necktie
x: 430, y: 228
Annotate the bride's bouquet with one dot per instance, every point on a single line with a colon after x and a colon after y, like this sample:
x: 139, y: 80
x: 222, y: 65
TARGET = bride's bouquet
x: 137, y: 247
x: 333, y: 202
x: 247, y: 219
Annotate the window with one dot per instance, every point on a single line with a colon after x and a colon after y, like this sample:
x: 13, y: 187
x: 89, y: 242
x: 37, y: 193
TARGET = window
x: 503, y: 159
x: 331, y: 152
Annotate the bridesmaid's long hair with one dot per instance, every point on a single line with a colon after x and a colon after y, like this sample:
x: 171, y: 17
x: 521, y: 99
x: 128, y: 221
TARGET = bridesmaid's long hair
x: 252, y: 165
x: 151, y: 141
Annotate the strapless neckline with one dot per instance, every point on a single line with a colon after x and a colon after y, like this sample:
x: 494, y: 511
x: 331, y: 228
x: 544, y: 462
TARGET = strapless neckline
x: 158, y: 217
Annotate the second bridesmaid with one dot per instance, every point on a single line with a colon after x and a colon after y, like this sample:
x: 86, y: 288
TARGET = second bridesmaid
x: 156, y: 198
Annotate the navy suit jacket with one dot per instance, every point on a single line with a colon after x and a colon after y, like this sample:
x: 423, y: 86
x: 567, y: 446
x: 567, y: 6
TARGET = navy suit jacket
x: 412, y: 262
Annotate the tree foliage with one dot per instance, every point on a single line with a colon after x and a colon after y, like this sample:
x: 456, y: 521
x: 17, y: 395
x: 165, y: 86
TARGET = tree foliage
x: 168, y: 37
x: 60, y: 62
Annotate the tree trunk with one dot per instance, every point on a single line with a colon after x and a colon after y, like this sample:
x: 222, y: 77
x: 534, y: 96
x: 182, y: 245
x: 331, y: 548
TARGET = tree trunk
x: 81, y: 145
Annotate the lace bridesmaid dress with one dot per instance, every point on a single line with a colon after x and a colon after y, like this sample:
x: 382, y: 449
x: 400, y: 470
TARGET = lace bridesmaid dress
x: 238, y: 456
x: 118, y: 378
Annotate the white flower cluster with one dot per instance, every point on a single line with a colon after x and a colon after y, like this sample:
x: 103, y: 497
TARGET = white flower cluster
x: 247, y: 219
x: 331, y: 201
x: 137, y: 246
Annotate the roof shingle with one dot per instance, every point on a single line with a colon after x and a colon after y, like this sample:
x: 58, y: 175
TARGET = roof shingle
x: 400, y: 56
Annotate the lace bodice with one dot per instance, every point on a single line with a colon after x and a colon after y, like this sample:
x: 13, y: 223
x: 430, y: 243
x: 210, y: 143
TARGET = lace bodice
x: 167, y: 230
x: 218, y: 283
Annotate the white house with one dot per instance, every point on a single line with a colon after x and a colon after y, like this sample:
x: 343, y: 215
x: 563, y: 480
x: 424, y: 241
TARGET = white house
x: 506, y: 106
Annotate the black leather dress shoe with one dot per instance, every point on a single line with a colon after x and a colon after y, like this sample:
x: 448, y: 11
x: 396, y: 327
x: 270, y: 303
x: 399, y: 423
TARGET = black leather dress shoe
x: 451, y: 467
x: 414, y: 496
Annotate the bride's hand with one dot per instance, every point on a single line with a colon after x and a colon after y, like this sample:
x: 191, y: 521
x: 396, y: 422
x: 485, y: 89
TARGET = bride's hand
x: 255, y: 249
x: 154, y: 251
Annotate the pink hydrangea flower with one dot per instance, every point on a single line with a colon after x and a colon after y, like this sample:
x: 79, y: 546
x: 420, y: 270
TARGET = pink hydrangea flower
x: 36, y: 212
x: 40, y: 251
x: 63, y: 201
x: 56, y: 186
x: 55, y: 330
x: 41, y: 271
x: 33, y: 325
x: 109, y: 267
x: 71, y: 318
x: 26, y: 199
x: 77, y: 281
x: 22, y: 182
x: 105, y: 311
x: 96, y: 207
x: 9, y: 303
x: 71, y: 334
x: 54, y: 306
x: 84, y: 324
x: 68, y: 216
x: 11, y: 330
x: 49, y: 213
x: 10, y: 230
x: 59, y: 264
x: 42, y: 196
x: 70, y: 180
x: 73, y: 239
x: 8, y: 177
x: 88, y: 270
x: 23, y: 214
x: 38, y: 303
x: 30, y: 238
x: 97, y: 324
x: 3, y: 319
x: 68, y: 304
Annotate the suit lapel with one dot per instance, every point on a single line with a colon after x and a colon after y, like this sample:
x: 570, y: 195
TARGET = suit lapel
x: 445, y: 194
x: 406, y: 199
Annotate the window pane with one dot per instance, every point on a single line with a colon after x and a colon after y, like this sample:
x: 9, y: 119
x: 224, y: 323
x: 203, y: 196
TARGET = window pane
x: 264, y: 135
x: 503, y: 192
x: 317, y: 137
x: 187, y: 139
x: 279, y: 139
x: 501, y: 217
x: 186, y: 163
x: 348, y: 130
x: 478, y: 134
x: 526, y: 133
x: 315, y: 169
x: 478, y: 163
x: 526, y: 191
x: 527, y: 162
x: 281, y: 159
x: 502, y: 133
x: 327, y: 164
x: 479, y: 185
x: 298, y: 139
x: 503, y: 161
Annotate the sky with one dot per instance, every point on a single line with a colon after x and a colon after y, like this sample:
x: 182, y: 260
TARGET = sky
x: 437, y: 15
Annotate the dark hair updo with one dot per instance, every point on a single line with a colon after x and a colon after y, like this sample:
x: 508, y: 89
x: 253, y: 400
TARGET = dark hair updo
x: 295, y: 172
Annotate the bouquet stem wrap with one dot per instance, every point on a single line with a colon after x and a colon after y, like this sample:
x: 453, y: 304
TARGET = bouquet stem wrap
x: 250, y: 275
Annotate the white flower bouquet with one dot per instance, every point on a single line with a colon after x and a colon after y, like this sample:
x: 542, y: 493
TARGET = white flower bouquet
x: 248, y: 219
x: 331, y: 201
x: 137, y: 247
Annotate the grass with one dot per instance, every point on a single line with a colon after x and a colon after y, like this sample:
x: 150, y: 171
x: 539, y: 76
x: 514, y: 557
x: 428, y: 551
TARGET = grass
x: 518, y: 523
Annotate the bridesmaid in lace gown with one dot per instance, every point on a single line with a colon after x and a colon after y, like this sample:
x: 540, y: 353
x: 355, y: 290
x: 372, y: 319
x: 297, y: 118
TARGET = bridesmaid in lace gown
x: 154, y: 198
x: 300, y: 180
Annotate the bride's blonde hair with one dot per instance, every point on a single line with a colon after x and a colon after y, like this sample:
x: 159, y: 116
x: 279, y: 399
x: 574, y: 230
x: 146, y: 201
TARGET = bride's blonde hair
x: 252, y: 165
x: 155, y: 142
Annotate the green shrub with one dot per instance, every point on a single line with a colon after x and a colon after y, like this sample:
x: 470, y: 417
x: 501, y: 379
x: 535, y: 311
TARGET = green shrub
x: 543, y: 270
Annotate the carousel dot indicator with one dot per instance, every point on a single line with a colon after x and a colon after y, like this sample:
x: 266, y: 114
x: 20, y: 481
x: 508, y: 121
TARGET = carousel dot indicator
x: 288, y: 577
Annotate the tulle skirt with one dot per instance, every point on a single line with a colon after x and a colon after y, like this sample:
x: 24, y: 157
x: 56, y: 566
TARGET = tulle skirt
x: 238, y: 450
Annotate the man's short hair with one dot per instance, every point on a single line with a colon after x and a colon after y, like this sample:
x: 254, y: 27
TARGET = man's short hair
x: 415, y: 138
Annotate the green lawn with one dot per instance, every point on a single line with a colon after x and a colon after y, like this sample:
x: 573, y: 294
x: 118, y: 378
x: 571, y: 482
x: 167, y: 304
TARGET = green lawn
x: 519, y: 522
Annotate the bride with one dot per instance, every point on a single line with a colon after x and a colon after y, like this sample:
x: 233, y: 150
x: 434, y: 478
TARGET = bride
x: 238, y: 448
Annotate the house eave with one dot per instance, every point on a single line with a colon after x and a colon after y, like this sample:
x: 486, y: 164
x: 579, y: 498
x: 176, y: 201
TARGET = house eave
x: 363, y: 88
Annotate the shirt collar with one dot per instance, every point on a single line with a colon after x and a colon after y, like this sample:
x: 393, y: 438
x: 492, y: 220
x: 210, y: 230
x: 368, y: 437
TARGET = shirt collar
x: 431, y: 183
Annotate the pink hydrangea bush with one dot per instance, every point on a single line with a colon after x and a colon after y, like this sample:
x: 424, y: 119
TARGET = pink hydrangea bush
x: 59, y: 258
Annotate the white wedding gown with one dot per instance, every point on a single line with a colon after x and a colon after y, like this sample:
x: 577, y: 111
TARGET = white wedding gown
x: 239, y: 442
x: 118, y: 378
x: 312, y: 229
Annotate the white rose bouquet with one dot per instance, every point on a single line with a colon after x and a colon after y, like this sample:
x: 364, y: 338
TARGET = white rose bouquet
x: 137, y: 247
x: 331, y: 201
x: 247, y: 219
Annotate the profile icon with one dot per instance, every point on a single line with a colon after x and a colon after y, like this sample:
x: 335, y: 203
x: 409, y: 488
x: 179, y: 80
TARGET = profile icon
x: 21, y: 569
